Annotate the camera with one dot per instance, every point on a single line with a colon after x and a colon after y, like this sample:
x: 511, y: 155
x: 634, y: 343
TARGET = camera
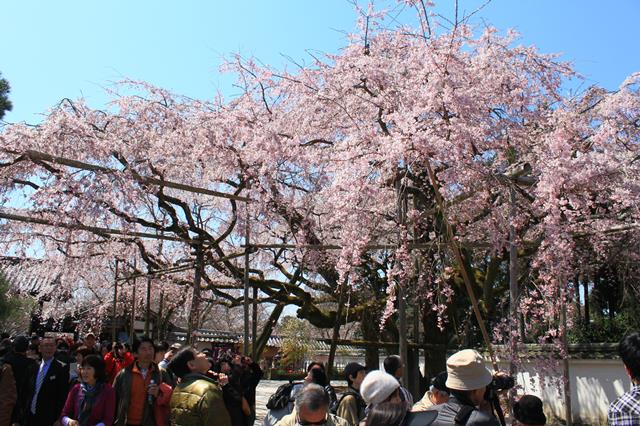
x: 501, y: 382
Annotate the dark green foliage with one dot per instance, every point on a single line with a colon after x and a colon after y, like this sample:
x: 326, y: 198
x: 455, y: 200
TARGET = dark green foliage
x: 15, y: 310
x: 5, y: 103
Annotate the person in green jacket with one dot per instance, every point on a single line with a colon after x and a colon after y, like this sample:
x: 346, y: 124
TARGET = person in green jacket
x: 197, y: 399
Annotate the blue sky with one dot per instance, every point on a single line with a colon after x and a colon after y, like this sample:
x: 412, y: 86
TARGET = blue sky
x: 53, y: 50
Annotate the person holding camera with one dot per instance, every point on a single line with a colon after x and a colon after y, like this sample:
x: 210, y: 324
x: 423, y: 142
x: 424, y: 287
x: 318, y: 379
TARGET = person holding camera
x: 467, y: 380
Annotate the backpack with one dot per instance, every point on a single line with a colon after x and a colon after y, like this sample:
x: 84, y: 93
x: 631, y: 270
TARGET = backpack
x: 282, y: 396
x: 420, y: 418
x: 361, y: 404
x: 463, y: 415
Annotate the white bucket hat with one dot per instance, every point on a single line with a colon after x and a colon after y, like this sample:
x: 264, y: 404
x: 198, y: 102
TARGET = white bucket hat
x: 377, y: 386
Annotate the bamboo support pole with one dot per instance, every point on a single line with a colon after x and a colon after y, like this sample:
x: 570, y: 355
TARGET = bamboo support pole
x: 460, y: 260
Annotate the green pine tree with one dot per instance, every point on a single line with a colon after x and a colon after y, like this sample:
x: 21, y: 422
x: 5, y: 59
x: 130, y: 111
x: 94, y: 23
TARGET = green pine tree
x: 5, y: 103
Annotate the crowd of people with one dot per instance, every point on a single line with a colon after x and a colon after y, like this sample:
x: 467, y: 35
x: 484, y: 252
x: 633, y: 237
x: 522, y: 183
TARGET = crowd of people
x: 457, y: 396
x: 44, y: 381
x: 48, y: 381
x: 464, y: 394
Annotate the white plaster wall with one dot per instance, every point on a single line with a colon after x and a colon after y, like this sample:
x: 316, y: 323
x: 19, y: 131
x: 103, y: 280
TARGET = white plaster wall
x: 594, y: 385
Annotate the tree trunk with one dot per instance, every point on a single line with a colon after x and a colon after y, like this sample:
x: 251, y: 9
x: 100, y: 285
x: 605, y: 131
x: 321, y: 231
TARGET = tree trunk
x: 370, y: 329
x: 336, y: 328
x: 435, y: 356
x: 414, y: 384
x: 261, y: 342
x: 587, y: 311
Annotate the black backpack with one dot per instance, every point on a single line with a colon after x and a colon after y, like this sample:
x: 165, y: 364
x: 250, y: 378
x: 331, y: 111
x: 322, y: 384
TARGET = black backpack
x: 282, y: 396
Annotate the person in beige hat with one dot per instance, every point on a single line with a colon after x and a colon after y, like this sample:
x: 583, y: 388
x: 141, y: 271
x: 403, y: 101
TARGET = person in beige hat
x: 467, y: 381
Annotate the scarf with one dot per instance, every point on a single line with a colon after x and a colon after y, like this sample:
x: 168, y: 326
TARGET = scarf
x: 89, y: 397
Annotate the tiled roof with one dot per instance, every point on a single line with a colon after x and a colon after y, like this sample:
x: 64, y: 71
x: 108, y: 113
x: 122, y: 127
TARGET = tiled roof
x: 217, y: 336
x: 27, y: 275
x: 576, y: 350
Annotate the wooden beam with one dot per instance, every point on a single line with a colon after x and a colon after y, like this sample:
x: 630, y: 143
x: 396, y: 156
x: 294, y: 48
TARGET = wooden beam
x: 94, y: 229
x: 183, y: 268
x: 337, y: 247
x: 41, y: 156
x: 370, y: 344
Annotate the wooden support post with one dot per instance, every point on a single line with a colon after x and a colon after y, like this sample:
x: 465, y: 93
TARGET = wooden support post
x: 254, y: 324
x: 148, y: 310
x: 565, y: 362
x: 513, y: 292
x: 115, y: 304
x: 132, y: 336
x: 160, y: 326
x: 194, y: 314
x: 156, y: 327
x: 400, y: 292
x: 416, y: 376
x: 336, y: 328
x: 245, y: 346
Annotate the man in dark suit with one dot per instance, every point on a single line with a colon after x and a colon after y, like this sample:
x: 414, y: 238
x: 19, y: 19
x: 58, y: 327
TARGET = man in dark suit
x: 23, y: 371
x: 48, y: 387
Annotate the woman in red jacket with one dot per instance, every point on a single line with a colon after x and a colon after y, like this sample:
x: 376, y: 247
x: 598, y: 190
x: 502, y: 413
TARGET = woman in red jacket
x: 115, y: 360
x: 93, y: 401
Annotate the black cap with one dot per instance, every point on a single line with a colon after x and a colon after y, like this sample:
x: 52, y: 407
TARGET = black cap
x: 352, y: 369
x: 528, y: 410
x: 440, y: 382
